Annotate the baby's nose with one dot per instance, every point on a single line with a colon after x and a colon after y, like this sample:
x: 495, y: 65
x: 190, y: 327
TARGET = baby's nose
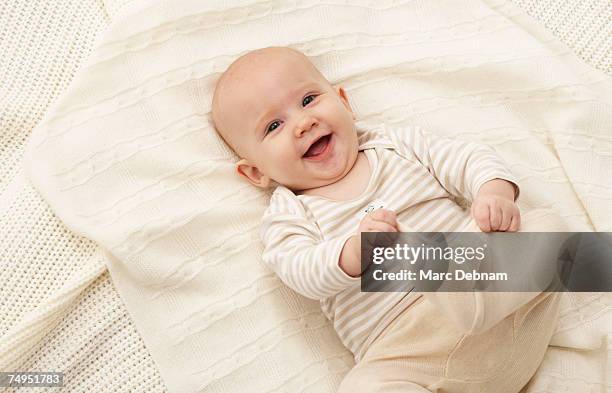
x: 305, y: 125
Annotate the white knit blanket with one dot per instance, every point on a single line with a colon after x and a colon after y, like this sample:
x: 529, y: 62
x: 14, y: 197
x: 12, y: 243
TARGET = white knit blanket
x: 128, y: 158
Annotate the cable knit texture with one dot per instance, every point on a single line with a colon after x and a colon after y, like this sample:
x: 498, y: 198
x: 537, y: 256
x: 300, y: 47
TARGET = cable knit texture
x: 59, y: 310
x: 127, y: 157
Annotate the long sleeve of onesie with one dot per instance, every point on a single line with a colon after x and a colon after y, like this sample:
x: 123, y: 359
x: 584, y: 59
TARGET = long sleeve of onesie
x: 295, y: 249
x: 461, y: 167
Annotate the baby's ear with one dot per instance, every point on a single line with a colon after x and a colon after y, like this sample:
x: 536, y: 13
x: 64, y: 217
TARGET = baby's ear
x: 250, y: 172
x: 344, y: 97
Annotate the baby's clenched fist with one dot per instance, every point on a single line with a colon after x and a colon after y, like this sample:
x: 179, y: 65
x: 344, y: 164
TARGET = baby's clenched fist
x: 493, y: 213
x: 379, y: 220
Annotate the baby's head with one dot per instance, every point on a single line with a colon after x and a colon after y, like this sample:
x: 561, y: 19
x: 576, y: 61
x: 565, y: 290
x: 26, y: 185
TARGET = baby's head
x: 288, y: 124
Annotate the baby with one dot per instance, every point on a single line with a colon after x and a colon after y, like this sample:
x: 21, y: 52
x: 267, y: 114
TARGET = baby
x: 298, y: 133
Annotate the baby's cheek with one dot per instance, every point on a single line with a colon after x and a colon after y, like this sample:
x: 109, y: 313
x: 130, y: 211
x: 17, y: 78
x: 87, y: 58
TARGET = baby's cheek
x: 285, y: 164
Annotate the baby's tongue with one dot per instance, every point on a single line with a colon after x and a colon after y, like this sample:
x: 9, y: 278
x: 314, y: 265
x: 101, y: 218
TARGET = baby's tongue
x: 317, y: 147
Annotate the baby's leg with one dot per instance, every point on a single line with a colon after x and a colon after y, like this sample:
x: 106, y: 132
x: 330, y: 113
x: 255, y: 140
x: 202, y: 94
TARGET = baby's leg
x: 407, y: 356
x: 476, y: 312
x: 421, y: 351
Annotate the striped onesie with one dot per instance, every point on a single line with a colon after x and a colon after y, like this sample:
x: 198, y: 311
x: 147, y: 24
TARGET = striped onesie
x: 413, y: 174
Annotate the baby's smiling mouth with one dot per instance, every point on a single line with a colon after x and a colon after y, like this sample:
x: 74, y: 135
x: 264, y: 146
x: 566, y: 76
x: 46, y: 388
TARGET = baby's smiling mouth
x: 318, y: 147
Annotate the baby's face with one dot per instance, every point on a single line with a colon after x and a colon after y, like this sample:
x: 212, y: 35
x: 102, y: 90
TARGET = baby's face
x: 286, y: 121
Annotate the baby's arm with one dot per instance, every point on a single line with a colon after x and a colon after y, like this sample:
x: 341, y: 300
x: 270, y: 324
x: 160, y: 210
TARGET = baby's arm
x: 468, y: 169
x: 295, y: 249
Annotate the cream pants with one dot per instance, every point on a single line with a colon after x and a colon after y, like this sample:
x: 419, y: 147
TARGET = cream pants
x: 463, y: 342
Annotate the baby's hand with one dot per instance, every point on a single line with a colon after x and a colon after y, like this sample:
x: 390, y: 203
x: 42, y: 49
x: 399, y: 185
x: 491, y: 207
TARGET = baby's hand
x: 379, y: 220
x: 495, y: 213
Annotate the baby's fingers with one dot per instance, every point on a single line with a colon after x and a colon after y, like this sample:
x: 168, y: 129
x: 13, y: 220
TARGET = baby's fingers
x: 496, y: 214
x: 506, y: 219
x: 481, y: 216
x: 385, y: 216
x: 515, y: 223
x: 379, y: 226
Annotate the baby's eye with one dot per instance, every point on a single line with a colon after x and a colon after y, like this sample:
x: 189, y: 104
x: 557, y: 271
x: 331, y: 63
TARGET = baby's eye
x: 273, y: 126
x: 308, y: 99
